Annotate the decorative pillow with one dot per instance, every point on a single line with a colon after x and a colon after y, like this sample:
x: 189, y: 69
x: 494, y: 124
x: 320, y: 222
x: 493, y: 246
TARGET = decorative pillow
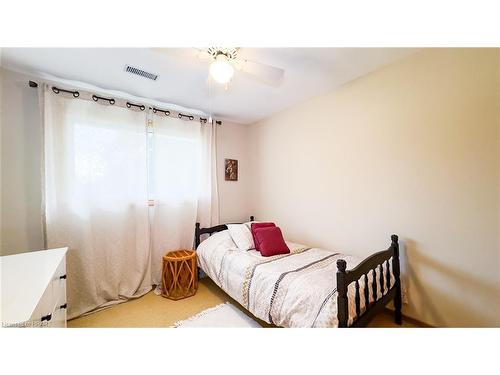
x: 271, y: 241
x: 255, y: 226
x: 241, y: 236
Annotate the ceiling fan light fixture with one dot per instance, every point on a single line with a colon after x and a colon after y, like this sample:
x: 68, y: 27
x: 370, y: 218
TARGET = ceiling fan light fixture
x: 221, y: 69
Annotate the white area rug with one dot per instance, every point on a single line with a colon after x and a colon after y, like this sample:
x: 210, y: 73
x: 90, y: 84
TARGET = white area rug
x: 224, y: 315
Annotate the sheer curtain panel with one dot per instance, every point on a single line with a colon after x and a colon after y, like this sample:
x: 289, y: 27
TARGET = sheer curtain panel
x: 96, y: 199
x: 182, y: 184
x: 208, y: 194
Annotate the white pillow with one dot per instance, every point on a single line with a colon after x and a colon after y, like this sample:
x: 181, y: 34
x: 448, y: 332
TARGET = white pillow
x: 242, y: 236
x: 249, y: 224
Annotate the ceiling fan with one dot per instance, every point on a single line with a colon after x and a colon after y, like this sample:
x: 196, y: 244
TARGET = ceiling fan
x: 224, y: 61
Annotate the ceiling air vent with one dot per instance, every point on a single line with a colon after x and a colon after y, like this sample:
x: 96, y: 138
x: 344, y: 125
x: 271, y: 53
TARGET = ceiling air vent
x: 141, y: 73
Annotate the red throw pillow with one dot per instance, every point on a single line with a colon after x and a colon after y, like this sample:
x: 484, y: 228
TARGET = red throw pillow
x: 271, y: 241
x: 255, y: 226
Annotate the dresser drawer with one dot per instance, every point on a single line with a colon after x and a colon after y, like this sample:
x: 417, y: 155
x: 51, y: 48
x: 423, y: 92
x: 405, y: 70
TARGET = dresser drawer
x: 58, y: 318
x: 51, y: 309
x: 43, y: 309
x: 59, y: 285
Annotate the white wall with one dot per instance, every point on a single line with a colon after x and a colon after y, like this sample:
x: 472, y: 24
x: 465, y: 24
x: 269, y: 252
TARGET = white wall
x: 21, y: 141
x: 21, y: 218
x: 412, y: 149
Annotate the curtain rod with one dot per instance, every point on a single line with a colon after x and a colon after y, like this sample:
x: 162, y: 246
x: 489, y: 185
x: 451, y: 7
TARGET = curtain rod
x: 112, y: 101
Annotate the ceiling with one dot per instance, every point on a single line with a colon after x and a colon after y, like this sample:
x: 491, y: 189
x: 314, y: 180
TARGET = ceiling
x: 308, y: 72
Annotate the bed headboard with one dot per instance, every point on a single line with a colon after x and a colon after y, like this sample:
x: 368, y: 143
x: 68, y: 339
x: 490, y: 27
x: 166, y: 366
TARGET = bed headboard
x: 198, y: 232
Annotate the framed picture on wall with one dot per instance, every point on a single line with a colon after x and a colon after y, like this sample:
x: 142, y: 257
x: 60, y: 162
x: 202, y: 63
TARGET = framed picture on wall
x: 231, y: 169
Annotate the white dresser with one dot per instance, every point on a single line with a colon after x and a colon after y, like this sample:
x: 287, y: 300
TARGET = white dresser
x: 33, y: 287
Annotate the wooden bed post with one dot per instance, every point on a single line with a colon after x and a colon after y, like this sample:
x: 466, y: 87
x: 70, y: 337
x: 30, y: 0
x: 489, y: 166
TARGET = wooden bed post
x: 196, y: 244
x: 196, y: 235
x: 342, y: 302
x: 396, y: 271
x: 252, y: 218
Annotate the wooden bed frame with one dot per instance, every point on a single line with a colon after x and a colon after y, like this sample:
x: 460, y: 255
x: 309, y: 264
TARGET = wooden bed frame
x: 346, y: 277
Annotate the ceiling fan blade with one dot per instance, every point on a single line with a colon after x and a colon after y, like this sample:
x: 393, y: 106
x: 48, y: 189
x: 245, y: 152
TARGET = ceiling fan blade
x: 191, y: 53
x: 263, y: 71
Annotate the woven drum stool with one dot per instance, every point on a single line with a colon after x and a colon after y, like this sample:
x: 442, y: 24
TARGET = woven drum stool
x: 179, y: 276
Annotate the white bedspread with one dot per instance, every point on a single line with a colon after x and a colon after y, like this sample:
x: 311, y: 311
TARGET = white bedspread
x: 291, y: 290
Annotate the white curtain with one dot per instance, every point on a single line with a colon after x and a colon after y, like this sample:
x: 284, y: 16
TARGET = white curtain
x: 183, y: 184
x: 97, y: 200
x: 208, y: 194
x: 102, y: 165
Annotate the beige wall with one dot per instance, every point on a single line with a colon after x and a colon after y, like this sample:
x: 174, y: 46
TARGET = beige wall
x: 412, y: 149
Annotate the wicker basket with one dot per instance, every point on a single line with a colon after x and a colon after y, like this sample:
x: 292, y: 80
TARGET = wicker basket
x: 179, y: 275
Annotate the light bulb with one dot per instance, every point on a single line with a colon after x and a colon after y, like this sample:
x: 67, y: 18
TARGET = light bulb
x: 221, y: 69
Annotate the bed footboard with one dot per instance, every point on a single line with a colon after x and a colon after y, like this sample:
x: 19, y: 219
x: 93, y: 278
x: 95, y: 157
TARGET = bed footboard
x: 372, y: 263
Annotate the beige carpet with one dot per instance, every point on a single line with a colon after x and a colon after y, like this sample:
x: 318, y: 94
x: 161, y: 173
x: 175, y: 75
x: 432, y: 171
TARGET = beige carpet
x: 155, y: 311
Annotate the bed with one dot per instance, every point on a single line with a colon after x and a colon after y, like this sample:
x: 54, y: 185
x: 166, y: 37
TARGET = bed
x: 309, y: 287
